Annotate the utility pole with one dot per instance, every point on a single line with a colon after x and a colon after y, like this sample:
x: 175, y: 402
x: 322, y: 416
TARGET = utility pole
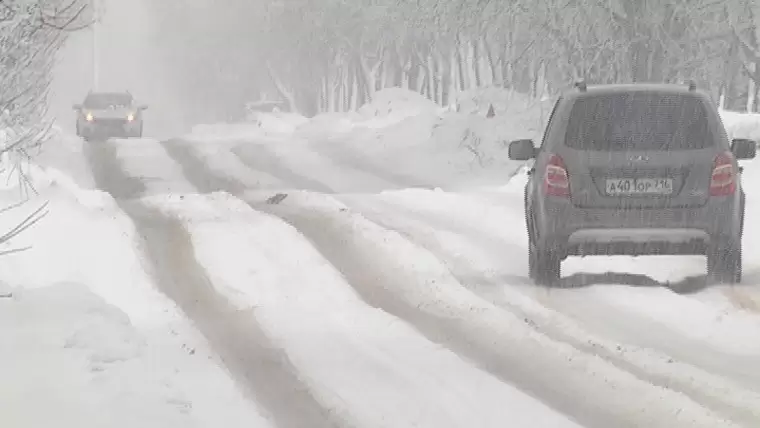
x: 94, y: 4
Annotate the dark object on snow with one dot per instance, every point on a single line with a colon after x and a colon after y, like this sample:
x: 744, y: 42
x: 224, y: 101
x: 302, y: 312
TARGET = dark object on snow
x: 276, y: 199
x: 491, y: 113
x: 6, y: 295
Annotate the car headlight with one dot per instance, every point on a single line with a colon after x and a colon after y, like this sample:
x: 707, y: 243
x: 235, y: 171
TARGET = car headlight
x: 89, y: 117
x: 131, y: 117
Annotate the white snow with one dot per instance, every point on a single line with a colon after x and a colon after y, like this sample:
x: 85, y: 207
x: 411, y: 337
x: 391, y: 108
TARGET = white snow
x: 481, y: 255
x: 219, y: 158
x: 741, y: 125
x: 422, y: 280
x: 86, y: 339
x: 360, y: 360
x: 63, y: 157
x: 214, y: 132
x: 147, y: 161
x: 493, y: 214
x: 401, y: 132
x: 89, y: 337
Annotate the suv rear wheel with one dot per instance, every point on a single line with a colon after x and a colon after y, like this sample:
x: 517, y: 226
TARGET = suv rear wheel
x: 544, y: 265
x: 724, y: 262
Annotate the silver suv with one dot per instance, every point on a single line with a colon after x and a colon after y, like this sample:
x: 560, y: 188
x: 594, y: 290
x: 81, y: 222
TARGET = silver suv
x: 109, y: 114
x: 638, y: 169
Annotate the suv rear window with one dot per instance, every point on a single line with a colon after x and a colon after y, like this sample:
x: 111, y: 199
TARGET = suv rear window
x: 638, y: 121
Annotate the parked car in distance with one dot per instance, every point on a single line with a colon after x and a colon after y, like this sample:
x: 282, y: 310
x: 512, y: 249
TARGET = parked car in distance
x: 104, y: 115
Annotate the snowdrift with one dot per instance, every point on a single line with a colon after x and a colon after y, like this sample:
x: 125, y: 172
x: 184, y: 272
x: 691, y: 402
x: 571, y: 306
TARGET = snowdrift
x: 86, y: 334
x: 741, y: 125
x: 403, y: 133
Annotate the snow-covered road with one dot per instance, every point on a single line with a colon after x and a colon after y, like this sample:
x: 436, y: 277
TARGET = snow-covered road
x: 353, y: 299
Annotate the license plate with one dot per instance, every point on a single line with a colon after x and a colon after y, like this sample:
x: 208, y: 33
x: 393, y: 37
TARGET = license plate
x: 639, y: 186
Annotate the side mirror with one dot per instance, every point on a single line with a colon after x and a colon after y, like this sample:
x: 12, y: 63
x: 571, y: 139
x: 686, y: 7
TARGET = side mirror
x: 77, y: 106
x: 743, y: 148
x: 522, y: 150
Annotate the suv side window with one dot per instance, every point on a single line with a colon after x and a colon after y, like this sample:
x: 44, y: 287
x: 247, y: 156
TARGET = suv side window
x: 547, y: 129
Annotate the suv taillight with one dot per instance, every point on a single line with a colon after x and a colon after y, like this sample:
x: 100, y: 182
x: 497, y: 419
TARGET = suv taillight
x: 723, y: 180
x: 556, y: 181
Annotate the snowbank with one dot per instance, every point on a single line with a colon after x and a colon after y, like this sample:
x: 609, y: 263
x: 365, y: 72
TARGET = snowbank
x: 526, y: 115
x: 62, y: 155
x: 84, y: 333
x: 392, y: 105
x: 403, y: 134
x: 224, y: 131
x: 741, y: 125
x: 327, y: 124
x: 447, y: 147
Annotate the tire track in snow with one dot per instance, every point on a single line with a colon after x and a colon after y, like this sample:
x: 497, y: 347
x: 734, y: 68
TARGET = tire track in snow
x: 352, y: 159
x: 196, y: 171
x: 257, y: 157
x: 686, y: 385
x: 455, y: 334
x: 247, y: 352
x: 531, y: 370
x: 107, y: 171
x: 263, y: 371
x: 741, y: 296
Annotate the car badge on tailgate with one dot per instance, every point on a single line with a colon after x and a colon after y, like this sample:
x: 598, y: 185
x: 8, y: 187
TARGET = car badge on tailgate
x: 638, y: 158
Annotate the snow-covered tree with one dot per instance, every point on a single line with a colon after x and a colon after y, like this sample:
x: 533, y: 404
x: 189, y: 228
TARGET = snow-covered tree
x: 333, y: 55
x: 31, y: 31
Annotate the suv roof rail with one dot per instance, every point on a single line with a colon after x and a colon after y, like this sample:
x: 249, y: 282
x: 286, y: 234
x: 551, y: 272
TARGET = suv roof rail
x: 692, y: 85
x: 581, y: 85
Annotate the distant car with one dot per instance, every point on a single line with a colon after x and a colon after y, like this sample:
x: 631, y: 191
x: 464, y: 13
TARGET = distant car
x: 638, y: 169
x: 109, y: 114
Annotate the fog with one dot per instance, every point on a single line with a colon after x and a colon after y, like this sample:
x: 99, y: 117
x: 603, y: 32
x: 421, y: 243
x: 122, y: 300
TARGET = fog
x: 187, y: 60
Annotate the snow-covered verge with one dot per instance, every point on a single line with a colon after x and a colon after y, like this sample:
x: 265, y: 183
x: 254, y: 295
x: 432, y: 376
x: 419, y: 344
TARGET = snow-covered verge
x: 86, y: 339
x: 741, y: 125
x: 62, y: 157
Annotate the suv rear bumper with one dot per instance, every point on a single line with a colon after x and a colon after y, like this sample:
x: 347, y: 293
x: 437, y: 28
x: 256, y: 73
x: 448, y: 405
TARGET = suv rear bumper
x: 570, y: 230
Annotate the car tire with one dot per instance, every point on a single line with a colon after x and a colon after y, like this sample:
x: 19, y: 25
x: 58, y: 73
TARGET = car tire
x: 532, y: 262
x: 545, y: 266
x: 724, y: 262
x: 741, y: 216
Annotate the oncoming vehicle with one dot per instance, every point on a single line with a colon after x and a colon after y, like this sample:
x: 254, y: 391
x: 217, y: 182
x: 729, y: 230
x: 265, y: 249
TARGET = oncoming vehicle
x: 109, y: 114
x: 636, y: 169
